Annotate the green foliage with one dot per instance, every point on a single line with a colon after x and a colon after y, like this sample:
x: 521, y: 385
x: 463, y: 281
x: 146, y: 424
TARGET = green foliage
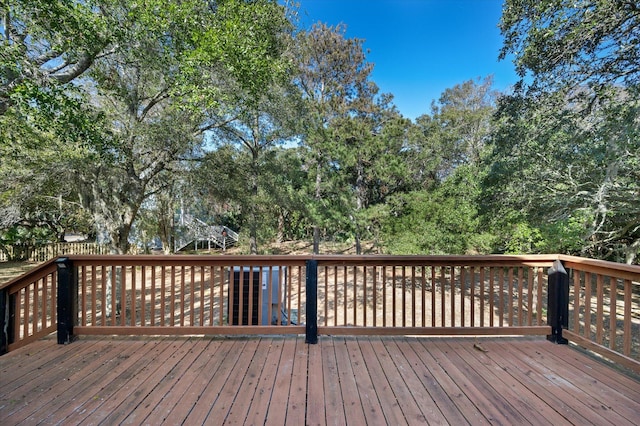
x: 566, y: 143
x: 582, y: 42
x: 440, y: 221
x: 113, y: 113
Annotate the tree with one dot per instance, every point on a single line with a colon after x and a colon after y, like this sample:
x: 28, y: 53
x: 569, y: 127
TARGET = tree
x: 592, y: 43
x: 570, y: 176
x: 437, y: 211
x: 442, y: 220
x: 332, y: 73
x: 46, y: 44
x: 151, y: 104
x: 454, y: 133
x: 258, y: 126
x: 370, y: 142
x: 566, y: 149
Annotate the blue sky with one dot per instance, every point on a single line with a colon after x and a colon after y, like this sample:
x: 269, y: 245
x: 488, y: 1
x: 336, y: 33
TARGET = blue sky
x: 421, y: 47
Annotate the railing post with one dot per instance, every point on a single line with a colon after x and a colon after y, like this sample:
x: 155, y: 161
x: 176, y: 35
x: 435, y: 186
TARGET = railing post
x: 6, y: 325
x: 558, y: 302
x: 67, y: 300
x: 312, y: 302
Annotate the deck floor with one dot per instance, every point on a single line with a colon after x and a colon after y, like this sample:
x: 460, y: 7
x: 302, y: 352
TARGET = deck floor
x: 341, y: 380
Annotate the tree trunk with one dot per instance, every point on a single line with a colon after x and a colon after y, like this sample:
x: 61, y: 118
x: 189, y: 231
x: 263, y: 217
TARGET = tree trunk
x: 280, y: 233
x: 253, y: 214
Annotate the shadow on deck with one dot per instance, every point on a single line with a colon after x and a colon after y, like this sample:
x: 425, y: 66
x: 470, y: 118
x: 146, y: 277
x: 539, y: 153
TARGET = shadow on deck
x: 342, y: 380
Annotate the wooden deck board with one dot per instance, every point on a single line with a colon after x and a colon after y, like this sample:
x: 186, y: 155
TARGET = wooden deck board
x: 600, y: 396
x: 316, y: 414
x: 522, y: 371
x: 334, y: 408
x: 282, y: 380
x: 568, y: 381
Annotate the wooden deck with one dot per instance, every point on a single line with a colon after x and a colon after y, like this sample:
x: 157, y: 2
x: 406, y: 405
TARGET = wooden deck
x: 341, y: 380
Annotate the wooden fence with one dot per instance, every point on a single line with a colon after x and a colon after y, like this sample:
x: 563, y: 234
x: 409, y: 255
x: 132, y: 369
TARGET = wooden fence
x: 417, y: 295
x: 51, y: 251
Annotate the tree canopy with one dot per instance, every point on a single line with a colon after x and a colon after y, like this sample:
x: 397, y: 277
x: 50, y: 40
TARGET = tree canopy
x: 117, y: 115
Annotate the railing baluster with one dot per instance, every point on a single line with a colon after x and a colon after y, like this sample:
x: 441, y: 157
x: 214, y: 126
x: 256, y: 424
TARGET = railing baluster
x: 212, y: 294
x: 413, y: 296
x: 112, y: 294
x: 433, y: 296
x: 491, y: 296
x: 472, y: 294
x: 152, y: 302
x: 599, y: 308
x: 576, y: 301
x: 384, y: 296
x: 132, y: 310
x: 539, y: 301
x: 299, y: 295
x: 442, y: 298
x: 375, y: 296
x: 627, y: 318
x: 344, y: 294
x: 143, y: 295
x: 510, y: 296
x: 203, y: 306
x: 183, y: 291
x: 172, y: 300
x: 355, y: 295
x: 94, y: 295
x: 501, y: 305
x: 463, y: 291
x: 45, y: 304
x: 123, y: 295
x: 520, y: 295
x: 83, y: 295
x: 281, y: 275
x: 364, y: 295
x: 335, y: 295
x: 258, y: 302
x: 613, y: 314
x: 530, y: 274
x: 192, y: 296
x: 424, y: 302
x: 36, y: 312
x: 404, y: 296
x: 587, y: 305
x: 453, y: 296
x: 163, y: 294
x: 482, y: 296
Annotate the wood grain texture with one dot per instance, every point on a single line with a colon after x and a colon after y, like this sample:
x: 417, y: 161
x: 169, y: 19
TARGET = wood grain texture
x: 342, y: 380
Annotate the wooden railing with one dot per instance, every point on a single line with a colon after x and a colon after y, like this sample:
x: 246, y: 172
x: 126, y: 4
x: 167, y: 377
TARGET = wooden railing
x: 432, y: 294
x: 189, y: 294
x: 604, y: 308
x: 355, y: 295
x: 426, y: 295
x: 28, y: 307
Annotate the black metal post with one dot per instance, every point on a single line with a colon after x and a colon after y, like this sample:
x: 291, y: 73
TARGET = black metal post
x: 312, y: 302
x: 558, y: 302
x: 67, y: 300
x: 5, y: 321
